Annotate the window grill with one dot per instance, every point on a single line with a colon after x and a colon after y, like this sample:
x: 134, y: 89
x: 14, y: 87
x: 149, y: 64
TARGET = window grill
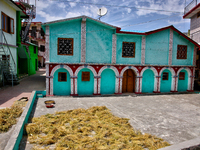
x: 128, y: 49
x: 65, y: 46
x: 181, y: 52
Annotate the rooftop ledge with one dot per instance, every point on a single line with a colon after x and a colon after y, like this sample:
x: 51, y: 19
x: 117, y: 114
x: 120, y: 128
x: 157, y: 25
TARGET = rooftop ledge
x: 191, y: 9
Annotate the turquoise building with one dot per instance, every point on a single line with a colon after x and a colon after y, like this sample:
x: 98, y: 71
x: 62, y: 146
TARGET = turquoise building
x: 85, y: 56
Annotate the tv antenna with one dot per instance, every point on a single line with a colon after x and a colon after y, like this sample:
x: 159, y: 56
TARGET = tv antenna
x: 102, y: 11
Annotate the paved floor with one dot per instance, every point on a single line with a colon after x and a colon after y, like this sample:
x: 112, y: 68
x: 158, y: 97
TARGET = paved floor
x: 175, y: 118
x: 34, y: 82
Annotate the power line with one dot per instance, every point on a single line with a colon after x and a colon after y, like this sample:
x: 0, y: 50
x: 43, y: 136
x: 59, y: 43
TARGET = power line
x: 150, y: 21
x: 132, y: 7
x: 121, y: 26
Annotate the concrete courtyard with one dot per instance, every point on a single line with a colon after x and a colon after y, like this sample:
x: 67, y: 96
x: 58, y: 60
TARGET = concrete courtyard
x: 175, y: 118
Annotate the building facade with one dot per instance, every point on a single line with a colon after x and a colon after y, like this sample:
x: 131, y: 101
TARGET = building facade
x: 85, y: 56
x: 192, y: 12
x: 27, y: 57
x: 8, y: 40
x: 37, y: 36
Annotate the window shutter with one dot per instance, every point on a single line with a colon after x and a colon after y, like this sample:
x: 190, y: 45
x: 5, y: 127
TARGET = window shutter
x: 85, y: 76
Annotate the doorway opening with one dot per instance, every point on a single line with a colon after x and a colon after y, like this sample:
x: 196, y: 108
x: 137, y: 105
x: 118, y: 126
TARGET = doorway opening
x: 128, y: 82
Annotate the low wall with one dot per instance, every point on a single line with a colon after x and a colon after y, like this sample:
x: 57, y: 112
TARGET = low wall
x: 15, y: 138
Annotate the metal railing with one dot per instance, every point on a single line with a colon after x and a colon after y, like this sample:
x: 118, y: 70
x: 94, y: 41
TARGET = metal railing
x: 9, y: 62
x: 191, y: 5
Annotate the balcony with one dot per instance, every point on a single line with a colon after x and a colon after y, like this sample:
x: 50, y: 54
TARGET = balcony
x: 191, y: 5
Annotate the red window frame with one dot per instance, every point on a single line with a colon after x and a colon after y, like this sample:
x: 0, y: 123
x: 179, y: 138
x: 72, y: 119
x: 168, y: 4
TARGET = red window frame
x: 7, y: 23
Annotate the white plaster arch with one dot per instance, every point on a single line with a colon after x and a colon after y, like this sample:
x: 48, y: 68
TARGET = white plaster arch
x: 187, y: 69
x: 136, y: 73
x: 60, y: 66
x: 156, y: 86
x: 54, y: 70
x: 189, y: 87
x: 130, y: 67
x: 94, y: 73
x: 169, y: 68
x: 117, y: 79
x: 88, y: 67
x: 109, y: 67
x: 152, y: 68
x: 173, y: 75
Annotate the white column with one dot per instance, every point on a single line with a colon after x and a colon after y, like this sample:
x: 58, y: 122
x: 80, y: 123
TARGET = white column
x: 143, y: 50
x: 139, y: 84
x: 47, y: 43
x: 99, y: 85
x: 51, y: 86
x: 159, y: 82
x: 114, y: 41
x: 120, y: 79
x: 83, y: 40
x: 72, y: 85
x: 76, y: 85
x: 95, y: 85
x: 175, y: 83
x: 170, y: 47
x: 116, y: 84
x: 172, y: 84
x: 155, y: 83
x: 47, y: 79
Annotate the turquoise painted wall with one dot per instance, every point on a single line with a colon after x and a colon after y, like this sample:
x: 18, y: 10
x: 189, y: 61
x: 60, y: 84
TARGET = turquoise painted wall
x: 179, y: 40
x: 165, y: 85
x: 61, y: 88
x: 128, y: 38
x: 85, y: 87
x: 182, y: 84
x: 108, y: 82
x: 157, y: 48
x: 98, y: 43
x: 69, y: 29
x: 148, y: 81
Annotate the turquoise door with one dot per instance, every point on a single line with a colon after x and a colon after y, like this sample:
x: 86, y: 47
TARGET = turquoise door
x: 108, y: 82
x: 182, y: 81
x: 166, y: 80
x: 148, y: 81
x: 85, y: 87
x: 61, y: 87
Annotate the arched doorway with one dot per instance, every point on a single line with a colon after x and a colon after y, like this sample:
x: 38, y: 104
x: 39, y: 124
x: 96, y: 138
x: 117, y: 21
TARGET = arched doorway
x: 61, y: 82
x: 182, y: 81
x: 128, y: 82
x: 108, y: 82
x: 166, y: 79
x: 85, y: 82
x: 148, y: 81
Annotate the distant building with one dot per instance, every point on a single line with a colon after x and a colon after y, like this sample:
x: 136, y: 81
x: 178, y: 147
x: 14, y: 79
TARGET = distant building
x: 37, y: 36
x: 85, y: 56
x: 192, y: 12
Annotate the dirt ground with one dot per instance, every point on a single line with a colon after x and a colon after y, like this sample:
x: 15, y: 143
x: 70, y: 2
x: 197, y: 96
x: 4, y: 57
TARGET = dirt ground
x: 175, y: 118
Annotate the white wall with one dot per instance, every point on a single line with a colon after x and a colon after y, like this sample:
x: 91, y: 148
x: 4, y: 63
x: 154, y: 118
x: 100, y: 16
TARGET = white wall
x: 11, y: 38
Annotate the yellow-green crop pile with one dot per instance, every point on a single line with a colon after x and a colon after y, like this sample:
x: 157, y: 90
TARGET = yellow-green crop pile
x: 8, y: 115
x: 91, y: 129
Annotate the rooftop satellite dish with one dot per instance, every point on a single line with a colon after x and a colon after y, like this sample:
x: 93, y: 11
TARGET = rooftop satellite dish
x: 102, y: 11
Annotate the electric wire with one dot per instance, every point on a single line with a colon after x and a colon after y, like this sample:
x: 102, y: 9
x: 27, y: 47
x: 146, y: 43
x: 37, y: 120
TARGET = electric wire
x: 132, y: 7
x: 120, y: 26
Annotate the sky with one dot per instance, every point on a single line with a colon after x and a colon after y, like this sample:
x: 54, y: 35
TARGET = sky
x: 136, y: 15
